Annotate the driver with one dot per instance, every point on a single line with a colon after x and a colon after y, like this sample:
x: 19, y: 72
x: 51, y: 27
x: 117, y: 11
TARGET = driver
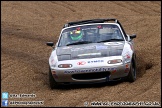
x: 76, y: 35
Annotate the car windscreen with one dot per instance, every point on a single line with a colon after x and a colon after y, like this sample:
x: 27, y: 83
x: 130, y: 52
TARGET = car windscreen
x: 90, y: 34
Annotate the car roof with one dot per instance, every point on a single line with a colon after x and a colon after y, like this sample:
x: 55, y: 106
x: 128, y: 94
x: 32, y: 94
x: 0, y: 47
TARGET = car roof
x: 90, y: 21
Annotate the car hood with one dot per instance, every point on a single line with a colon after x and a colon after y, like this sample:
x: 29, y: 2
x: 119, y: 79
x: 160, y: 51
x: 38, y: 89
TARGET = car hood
x: 92, y: 50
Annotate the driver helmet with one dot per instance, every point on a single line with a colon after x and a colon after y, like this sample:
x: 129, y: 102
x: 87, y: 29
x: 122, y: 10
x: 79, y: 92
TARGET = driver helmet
x: 76, y: 35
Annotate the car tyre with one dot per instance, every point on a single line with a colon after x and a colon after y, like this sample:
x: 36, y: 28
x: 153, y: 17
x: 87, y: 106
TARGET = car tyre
x: 132, y: 73
x: 53, y: 83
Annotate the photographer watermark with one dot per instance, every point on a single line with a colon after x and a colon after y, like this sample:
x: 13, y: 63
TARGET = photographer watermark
x: 26, y: 103
x: 122, y: 103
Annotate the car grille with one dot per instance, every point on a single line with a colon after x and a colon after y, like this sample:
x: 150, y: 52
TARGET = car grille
x: 88, y: 76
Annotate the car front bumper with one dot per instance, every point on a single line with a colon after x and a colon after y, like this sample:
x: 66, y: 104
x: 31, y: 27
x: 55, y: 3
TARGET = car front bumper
x: 91, y: 74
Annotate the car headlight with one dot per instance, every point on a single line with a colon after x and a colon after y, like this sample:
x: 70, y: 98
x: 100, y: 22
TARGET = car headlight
x: 65, y: 65
x: 114, y: 61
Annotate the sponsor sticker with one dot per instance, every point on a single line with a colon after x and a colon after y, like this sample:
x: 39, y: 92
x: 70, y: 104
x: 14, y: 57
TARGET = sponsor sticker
x: 101, y: 47
x: 89, y: 54
x: 95, y: 61
x: 89, y: 70
x: 83, y: 48
x: 52, y: 61
x: 113, y: 43
x: 81, y: 63
x: 128, y: 56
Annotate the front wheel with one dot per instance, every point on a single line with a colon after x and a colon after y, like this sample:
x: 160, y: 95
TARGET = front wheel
x: 132, y: 73
x: 53, y: 83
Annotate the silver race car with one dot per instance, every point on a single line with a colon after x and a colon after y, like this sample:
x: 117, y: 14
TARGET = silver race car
x: 92, y: 51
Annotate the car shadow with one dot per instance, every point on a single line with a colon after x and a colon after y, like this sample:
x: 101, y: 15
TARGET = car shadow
x: 95, y: 85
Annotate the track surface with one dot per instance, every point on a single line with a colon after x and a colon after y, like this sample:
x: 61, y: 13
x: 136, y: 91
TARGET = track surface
x: 27, y: 26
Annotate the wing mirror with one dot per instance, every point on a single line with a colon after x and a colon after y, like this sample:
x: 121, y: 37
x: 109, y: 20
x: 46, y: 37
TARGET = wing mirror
x: 132, y: 36
x: 50, y: 44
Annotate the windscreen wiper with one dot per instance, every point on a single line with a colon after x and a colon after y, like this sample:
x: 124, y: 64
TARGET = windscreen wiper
x: 80, y: 42
x: 110, y: 40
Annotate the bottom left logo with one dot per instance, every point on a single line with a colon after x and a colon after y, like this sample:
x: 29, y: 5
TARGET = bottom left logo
x: 4, y: 102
